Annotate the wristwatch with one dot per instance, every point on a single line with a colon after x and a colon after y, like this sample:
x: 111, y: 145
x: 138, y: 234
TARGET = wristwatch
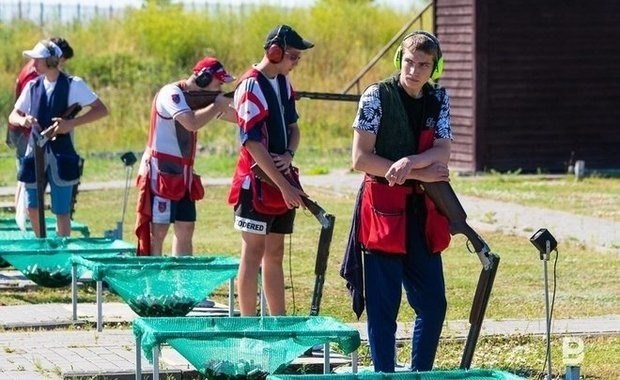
x: 291, y: 152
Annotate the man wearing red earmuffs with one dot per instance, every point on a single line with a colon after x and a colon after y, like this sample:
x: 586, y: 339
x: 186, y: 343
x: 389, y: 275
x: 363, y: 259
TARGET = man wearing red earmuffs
x: 269, y: 136
x: 168, y: 188
x: 401, y: 136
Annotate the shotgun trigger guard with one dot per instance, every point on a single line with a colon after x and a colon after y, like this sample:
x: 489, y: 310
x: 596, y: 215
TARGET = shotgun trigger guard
x: 41, y: 138
x: 484, y: 253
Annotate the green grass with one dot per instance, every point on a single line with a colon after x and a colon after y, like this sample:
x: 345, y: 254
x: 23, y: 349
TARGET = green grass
x: 596, y: 195
x: 584, y: 286
x: 517, y: 293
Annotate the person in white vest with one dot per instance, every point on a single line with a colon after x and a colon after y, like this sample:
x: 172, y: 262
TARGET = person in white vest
x: 168, y: 186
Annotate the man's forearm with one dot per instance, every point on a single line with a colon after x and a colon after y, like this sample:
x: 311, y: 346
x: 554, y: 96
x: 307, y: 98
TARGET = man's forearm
x: 439, y: 152
x: 97, y: 111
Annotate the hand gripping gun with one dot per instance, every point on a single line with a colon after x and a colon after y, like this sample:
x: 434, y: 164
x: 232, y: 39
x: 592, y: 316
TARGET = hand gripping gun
x: 448, y: 204
x: 202, y: 98
x: 327, y: 222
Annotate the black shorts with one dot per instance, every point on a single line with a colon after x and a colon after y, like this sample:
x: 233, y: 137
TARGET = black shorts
x: 166, y: 211
x: 249, y: 220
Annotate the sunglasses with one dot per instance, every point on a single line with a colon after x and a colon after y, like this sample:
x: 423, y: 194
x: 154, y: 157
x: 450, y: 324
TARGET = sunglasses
x: 293, y: 56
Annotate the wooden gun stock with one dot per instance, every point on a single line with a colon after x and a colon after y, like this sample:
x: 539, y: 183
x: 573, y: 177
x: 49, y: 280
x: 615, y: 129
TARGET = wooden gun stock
x: 202, y: 98
x: 449, y: 205
x: 315, y: 209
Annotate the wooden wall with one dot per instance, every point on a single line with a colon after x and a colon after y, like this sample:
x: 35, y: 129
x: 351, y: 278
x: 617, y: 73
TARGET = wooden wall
x: 454, y: 28
x: 532, y: 82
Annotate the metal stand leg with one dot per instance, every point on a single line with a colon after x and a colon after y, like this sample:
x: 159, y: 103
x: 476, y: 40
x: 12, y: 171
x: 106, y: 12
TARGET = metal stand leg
x: 119, y: 230
x: 156, y: 362
x: 138, y: 359
x: 231, y: 297
x: 545, y: 243
x: 326, y: 353
x: 99, y: 306
x: 354, y: 360
x: 263, y: 301
x: 572, y: 373
x: 545, y: 259
x: 74, y: 292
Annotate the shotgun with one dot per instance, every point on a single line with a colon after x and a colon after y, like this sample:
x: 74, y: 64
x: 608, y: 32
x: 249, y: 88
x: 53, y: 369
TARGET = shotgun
x: 50, y: 132
x: 202, y: 98
x: 315, y: 209
x: 327, y: 96
x: 320, y: 267
x: 327, y: 222
x: 448, y: 204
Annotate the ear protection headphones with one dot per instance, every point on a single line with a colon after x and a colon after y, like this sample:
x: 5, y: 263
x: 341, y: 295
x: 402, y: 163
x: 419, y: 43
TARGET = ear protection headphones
x: 438, y: 64
x: 276, y: 46
x: 53, y: 60
x: 205, y: 76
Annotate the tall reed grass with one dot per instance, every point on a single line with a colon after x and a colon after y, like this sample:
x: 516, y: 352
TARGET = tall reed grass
x: 127, y: 59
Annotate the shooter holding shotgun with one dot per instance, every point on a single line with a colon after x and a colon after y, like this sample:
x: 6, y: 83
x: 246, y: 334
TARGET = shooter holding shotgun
x: 401, y: 137
x: 42, y: 106
x: 327, y: 222
x: 168, y: 187
x: 269, y: 135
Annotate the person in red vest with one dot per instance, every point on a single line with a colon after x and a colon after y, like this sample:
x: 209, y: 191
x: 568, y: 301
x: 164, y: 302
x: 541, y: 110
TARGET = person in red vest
x: 168, y: 187
x: 269, y: 134
x: 401, y: 137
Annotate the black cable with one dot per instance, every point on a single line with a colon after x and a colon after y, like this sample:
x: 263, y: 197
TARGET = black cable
x: 555, y: 278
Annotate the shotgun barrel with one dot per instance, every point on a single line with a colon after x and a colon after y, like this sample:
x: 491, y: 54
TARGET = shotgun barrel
x: 327, y: 222
x: 448, y: 204
x: 327, y: 96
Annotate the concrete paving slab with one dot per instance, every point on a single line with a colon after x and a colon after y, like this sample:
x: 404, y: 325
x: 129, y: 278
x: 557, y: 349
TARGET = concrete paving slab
x: 12, y: 279
x: 54, y: 315
x: 89, y: 355
x: 70, y: 354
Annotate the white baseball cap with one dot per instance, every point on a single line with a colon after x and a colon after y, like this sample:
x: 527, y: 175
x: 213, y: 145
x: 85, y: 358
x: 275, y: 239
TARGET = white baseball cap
x: 40, y: 50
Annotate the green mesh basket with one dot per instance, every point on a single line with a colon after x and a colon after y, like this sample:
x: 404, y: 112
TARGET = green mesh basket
x: 243, y: 347
x: 47, y: 261
x: 8, y: 224
x: 10, y: 230
x: 472, y: 374
x: 158, y: 286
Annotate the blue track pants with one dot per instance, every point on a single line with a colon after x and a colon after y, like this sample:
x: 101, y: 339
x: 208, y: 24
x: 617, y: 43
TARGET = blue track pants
x: 420, y: 272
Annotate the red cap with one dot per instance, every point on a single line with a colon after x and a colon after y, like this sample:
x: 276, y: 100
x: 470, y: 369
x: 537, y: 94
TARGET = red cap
x: 215, y: 68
